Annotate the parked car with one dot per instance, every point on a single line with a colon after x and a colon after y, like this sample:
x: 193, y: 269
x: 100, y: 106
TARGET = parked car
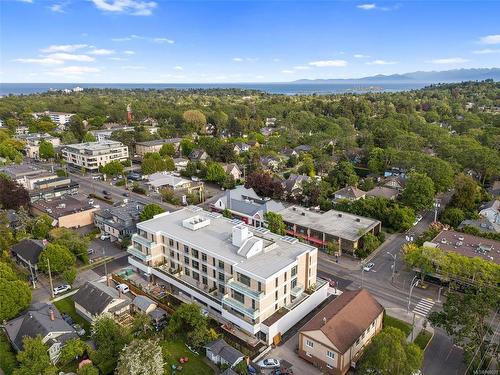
x: 204, y: 312
x: 278, y: 371
x: 125, y: 194
x: 68, y: 319
x: 78, y: 329
x: 90, y: 251
x: 61, y: 289
x: 123, y: 288
x: 269, y: 363
x: 417, y: 220
x: 108, y: 197
x: 105, y: 237
x: 105, y: 192
x: 368, y: 267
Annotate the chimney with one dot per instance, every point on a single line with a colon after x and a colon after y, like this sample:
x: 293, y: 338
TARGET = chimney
x: 240, y: 235
x: 51, y: 312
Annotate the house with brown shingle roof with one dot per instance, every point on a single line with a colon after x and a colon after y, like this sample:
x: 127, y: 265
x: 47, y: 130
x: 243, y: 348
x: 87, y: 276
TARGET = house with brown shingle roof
x: 334, y: 339
x: 351, y: 193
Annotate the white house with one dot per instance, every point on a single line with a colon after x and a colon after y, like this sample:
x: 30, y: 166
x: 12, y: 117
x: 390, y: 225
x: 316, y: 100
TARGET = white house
x: 221, y: 353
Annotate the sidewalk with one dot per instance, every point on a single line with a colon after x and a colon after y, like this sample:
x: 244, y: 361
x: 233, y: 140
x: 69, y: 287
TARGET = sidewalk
x: 401, y: 314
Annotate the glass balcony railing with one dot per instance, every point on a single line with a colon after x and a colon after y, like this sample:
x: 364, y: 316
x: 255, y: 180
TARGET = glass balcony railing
x: 238, y: 306
x: 244, y: 289
x: 139, y: 254
x: 143, y: 241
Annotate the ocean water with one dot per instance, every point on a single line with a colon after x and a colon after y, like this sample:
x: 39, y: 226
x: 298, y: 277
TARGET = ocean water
x: 271, y: 88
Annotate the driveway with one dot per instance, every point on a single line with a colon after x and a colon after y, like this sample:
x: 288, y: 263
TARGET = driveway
x: 287, y: 352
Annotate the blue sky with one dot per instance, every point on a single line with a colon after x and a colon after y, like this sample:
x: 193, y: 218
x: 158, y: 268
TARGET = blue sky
x: 148, y: 41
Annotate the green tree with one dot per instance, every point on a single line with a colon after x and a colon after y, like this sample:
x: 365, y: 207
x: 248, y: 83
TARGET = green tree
x: 6, y: 235
x: 12, y: 195
x: 452, y: 216
x: 34, y: 358
x: 467, y: 193
x: 195, y: 118
x: 187, y: 321
x: 69, y: 275
x: 149, y: 211
x: 332, y: 248
x: 88, y: 369
x: 167, y: 149
x: 419, y: 192
x: 61, y: 259
x: 370, y: 243
x: 75, y: 243
x: 275, y: 223
x: 307, y: 166
x: 187, y: 146
x: 46, y: 150
x: 72, y: 349
x: 113, y: 168
x: 401, y: 218
x: 154, y: 162
x: 227, y: 213
x: 15, y: 295
x: 141, y: 357
x: 389, y: 354
x: 89, y: 137
x: 215, y: 173
x: 343, y: 175
x: 141, y: 325
x: 40, y: 226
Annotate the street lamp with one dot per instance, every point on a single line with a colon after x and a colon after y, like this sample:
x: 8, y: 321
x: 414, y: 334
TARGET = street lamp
x: 394, y: 256
x: 437, y: 204
x: 412, y: 285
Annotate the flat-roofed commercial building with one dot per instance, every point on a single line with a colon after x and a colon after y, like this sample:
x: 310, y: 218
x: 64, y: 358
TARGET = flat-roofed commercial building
x: 332, y: 226
x: 142, y: 148
x: 91, y: 155
x: 67, y: 212
x: 261, y: 282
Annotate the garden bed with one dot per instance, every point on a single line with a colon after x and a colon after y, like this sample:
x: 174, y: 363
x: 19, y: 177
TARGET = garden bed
x: 423, y: 339
x: 389, y: 321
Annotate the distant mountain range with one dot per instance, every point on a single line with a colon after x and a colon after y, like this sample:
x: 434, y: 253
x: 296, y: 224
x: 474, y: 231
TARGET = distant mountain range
x: 456, y: 75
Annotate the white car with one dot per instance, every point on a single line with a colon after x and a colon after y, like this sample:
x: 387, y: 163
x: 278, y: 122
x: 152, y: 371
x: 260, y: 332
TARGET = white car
x: 61, y: 289
x: 417, y: 220
x: 123, y: 288
x: 369, y: 267
x: 269, y: 363
x: 78, y: 329
x: 104, y: 237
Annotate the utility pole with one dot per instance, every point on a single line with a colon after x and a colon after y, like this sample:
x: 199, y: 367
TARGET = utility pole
x: 394, y: 256
x: 50, y: 278
x: 32, y: 275
x: 362, y: 273
x: 105, y: 265
x: 412, y: 285
x: 412, y: 327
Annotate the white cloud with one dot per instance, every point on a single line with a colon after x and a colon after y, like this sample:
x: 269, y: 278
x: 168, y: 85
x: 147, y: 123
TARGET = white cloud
x: 381, y: 62
x: 328, y: 63
x: 75, y: 70
x: 178, y: 67
x: 58, y: 8
x: 26, y: 1
x: 246, y: 59
x: 64, y: 48
x: 490, y: 39
x: 486, y: 51
x: 237, y: 59
x: 129, y: 52
x: 133, y: 67
x: 101, y: 51
x: 286, y: 71
x: 132, y: 7
x: 360, y: 56
x: 70, y: 57
x: 301, y: 67
x: 117, y: 58
x: 276, y: 60
x: 368, y: 6
x: 42, y: 60
x: 450, y: 60
x: 163, y: 40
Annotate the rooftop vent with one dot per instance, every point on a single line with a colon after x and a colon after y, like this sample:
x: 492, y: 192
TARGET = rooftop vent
x: 303, y: 213
x: 339, y: 215
x: 358, y: 219
x: 196, y: 222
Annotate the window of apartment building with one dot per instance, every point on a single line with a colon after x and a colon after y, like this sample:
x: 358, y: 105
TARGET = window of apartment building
x: 275, y: 307
x: 253, y: 304
x: 177, y: 245
x: 171, y: 242
x: 172, y: 264
x: 221, y: 276
x: 373, y: 324
x: 259, y: 286
x: 284, y: 301
x: 204, y: 280
x: 221, y: 264
x: 214, y: 273
x: 294, y: 271
x: 195, y: 253
x: 195, y: 264
x: 186, y: 260
x: 231, y: 270
x: 330, y: 354
x: 276, y: 282
x: 284, y: 276
x: 213, y: 262
x: 196, y: 276
x: 309, y: 344
x: 243, y: 279
x: 293, y: 284
x: 276, y: 295
x: 187, y: 272
x: 238, y: 296
x: 172, y: 253
x: 357, y: 342
x: 204, y: 268
x: 204, y: 257
x: 284, y: 289
x: 222, y: 289
x: 186, y: 249
x: 309, y: 272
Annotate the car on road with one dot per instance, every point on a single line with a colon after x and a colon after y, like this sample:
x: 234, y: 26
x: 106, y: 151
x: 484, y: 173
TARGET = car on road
x: 126, y: 194
x: 90, y: 251
x: 278, y: 371
x: 417, y: 220
x: 61, y: 289
x: 78, y: 329
x: 105, y: 192
x: 368, y: 267
x: 105, y: 237
x: 123, y: 288
x: 108, y: 197
x: 269, y: 363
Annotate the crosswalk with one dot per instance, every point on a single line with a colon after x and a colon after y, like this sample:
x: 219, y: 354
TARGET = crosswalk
x: 423, y: 307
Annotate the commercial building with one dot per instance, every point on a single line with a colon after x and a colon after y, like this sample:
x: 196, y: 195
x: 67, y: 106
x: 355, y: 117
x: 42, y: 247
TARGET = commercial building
x: 334, y: 339
x: 142, y: 148
x: 53, y: 188
x: 32, y: 148
x: 27, y: 175
x: 260, y: 282
x: 92, y: 155
x: 119, y: 222
x: 332, y: 226
x: 67, y: 212
x: 244, y: 204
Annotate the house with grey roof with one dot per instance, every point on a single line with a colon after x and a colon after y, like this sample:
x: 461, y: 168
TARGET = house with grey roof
x: 198, y: 155
x: 95, y: 298
x: 245, y: 205
x: 293, y: 184
x: 221, y: 353
x: 144, y: 304
x: 351, y: 193
x: 119, y: 222
x: 42, y: 320
x: 27, y: 252
x: 383, y: 192
x: 233, y: 170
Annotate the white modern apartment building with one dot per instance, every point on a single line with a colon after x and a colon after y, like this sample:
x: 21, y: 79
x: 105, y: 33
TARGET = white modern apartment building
x: 59, y: 118
x: 259, y: 281
x: 92, y: 155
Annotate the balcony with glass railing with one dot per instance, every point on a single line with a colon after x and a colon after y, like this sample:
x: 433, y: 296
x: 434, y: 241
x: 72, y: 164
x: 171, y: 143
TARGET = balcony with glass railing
x: 244, y: 289
x: 143, y: 241
x: 139, y: 254
x: 240, y: 307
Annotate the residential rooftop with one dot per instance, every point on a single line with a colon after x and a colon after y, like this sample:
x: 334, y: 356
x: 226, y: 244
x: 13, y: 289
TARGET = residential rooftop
x: 335, y: 223
x: 262, y: 253
x: 158, y: 142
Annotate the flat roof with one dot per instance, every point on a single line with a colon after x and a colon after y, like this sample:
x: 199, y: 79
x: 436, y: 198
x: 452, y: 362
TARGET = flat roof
x: 215, y: 238
x: 468, y: 245
x: 96, y: 146
x: 336, y: 223
x: 21, y: 170
x: 62, y: 206
x: 158, y: 142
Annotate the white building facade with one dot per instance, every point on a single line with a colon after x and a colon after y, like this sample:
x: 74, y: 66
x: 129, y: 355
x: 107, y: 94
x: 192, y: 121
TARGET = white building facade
x: 92, y: 155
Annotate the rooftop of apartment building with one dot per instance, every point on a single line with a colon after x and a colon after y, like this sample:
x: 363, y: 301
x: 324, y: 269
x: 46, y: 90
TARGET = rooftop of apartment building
x: 62, y: 206
x: 30, y: 137
x: 250, y: 250
x: 95, y: 146
x: 335, y: 223
x: 158, y: 142
x: 21, y: 170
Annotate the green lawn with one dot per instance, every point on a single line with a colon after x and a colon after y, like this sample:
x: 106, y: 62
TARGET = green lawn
x: 7, y: 356
x: 173, y: 350
x: 389, y: 321
x: 67, y: 306
x: 423, y: 338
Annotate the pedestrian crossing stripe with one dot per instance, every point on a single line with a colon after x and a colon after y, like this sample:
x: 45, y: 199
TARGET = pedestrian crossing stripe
x: 423, y: 307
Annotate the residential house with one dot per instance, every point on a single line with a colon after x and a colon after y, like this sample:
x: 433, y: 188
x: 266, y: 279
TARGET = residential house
x: 66, y: 211
x: 27, y: 252
x: 233, y: 170
x: 395, y: 182
x: 270, y: 121
x: 253, y: 143
x: 95, y: 298
x: 241, y: 147
x: 491, y: 211
x: 180, y: 164
x: 198, y: 155
x: 119, y: 222
x: 33, y: 140
x: 259, y: 282
x: 41, y: 320
x: 383, y: 192
x: 245, y: 205
x: 164, y: 179
x: 319, y: 229
x: 267, y: 131
x: 270, y: 163
x: 221, y: 353
x: 143, y: 304
x: 334, y: 339
x: 292, y: 186
x: 351, y: 193
x: 142, y: 148
x: 20, y: 130
x: 289, y: 152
